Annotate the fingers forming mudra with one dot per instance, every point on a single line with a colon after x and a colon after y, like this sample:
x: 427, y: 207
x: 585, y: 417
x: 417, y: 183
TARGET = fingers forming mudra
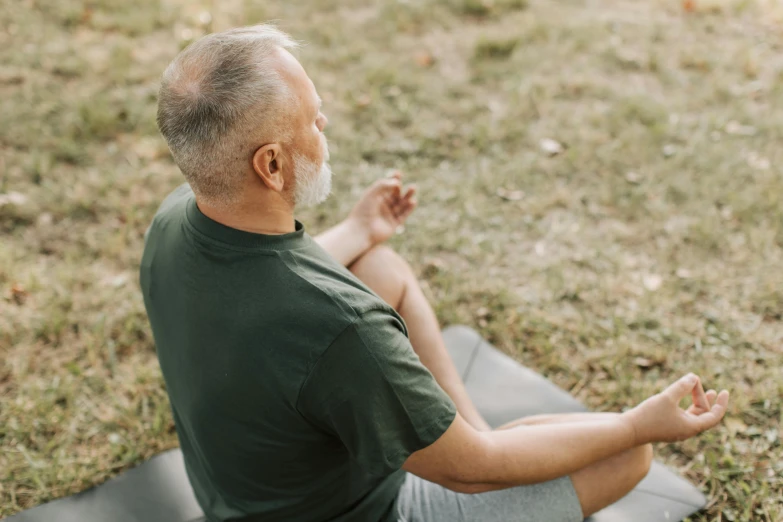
x: 660, y: 418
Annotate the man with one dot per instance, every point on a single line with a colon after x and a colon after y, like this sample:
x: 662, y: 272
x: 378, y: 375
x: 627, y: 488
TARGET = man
x: 304, y: 390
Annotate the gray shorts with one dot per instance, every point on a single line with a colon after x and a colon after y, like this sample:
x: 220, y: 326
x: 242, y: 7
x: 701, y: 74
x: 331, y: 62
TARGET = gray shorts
x: 423, y: 501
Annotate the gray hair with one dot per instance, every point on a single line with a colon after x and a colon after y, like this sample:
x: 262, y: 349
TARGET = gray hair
x: 217, y: 98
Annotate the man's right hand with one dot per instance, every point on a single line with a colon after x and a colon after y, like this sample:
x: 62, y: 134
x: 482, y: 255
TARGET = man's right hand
x: 660, y: 418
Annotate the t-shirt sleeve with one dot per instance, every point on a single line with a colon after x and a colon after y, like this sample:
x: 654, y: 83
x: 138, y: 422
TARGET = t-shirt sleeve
x: 371, y: 390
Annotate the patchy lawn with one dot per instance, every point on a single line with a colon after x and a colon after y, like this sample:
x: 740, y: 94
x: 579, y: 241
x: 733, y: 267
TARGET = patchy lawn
x: 642, y: 241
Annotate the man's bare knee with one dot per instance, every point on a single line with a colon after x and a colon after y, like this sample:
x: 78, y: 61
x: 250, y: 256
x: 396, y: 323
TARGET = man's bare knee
x: 385, y: 272
x: 609, y: 480
x: 645, y: 460
x: 638, y: 464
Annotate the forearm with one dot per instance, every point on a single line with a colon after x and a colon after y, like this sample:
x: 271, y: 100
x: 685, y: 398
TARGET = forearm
x: 345, y: 241
x: 468, y: 461
x: 538, y: 453
x: 558, y: 418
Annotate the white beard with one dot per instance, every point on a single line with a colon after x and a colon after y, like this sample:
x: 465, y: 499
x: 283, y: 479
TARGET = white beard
x: 313, y: 183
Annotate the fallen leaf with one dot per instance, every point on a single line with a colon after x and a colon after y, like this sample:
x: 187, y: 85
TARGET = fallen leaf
x: 18, y: 293
x: 710, y: 6
x: 735, y: 128
x: 652, y: 282
x: 753, y: 431
x: 186, y: 34
x: 735, y: 425
x: 643, y: 362
x: 86, y: 17
x: 44, y: 220
x: 116, y: 281
x: 12, y: 78
x: 758, y: 162
x: 205, y: 18
x: 119, y: 280
x: 393, y: 91
x: 363, y: 100
x: 683, y: 273
x: 433, y: 266
x: 550, y: 146
x: 149, y: 148
x: 669, y: 150
x: 423, y: 59
x: 12, y: 198
x: 633, y: 177
x: 510, y: 195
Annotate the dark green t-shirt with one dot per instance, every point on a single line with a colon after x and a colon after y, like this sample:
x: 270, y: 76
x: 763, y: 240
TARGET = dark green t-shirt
x: 295, y: 391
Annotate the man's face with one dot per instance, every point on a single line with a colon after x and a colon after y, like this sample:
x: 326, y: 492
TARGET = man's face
x: 308, y: 152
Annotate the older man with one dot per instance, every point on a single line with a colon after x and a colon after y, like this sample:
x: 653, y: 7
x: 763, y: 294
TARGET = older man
x: 302, y: 390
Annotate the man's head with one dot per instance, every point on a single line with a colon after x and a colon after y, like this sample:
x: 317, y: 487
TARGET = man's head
x: 239, y: 114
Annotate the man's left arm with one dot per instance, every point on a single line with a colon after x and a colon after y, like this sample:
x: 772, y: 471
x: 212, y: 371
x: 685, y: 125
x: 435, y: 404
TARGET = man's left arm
x: 345, y: 242
x: 381, y: 210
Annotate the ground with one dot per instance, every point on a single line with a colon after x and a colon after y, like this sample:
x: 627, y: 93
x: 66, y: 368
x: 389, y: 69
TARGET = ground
x: 642, y: 241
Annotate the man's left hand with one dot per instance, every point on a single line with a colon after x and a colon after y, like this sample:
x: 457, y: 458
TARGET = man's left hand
x: 383, y: 208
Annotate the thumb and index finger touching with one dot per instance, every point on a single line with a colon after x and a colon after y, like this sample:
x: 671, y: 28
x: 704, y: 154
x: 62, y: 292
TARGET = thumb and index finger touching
x: 710, y: 414
x: 713, y: 415
x: 392, y: 180
x: 392, y: 184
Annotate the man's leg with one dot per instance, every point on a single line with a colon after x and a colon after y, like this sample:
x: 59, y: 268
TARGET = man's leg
x: 608, y: 480
x: 390, y: 276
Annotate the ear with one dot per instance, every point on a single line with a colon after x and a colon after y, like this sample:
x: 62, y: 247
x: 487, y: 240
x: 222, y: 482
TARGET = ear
x: 267, y: 164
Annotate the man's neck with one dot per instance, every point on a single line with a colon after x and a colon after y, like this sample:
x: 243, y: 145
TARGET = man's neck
x: 274, y: 216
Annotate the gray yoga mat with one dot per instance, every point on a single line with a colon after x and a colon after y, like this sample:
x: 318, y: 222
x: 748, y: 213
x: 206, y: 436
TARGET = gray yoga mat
x: 503, y: 390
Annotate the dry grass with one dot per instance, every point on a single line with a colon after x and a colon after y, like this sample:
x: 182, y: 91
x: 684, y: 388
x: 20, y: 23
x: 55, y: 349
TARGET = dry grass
x: 650, y: 246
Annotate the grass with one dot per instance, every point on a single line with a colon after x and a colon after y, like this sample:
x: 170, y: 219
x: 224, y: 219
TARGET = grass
x: 651, y: 246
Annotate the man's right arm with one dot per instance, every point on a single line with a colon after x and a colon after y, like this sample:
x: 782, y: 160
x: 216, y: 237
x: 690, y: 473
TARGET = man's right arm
x: 469, y: 461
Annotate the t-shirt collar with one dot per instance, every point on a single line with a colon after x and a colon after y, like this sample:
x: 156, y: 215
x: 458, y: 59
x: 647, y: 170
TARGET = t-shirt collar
x: 233, y: 236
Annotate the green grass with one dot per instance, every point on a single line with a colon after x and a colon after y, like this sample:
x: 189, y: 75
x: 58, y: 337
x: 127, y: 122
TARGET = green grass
x: 651, y: 246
